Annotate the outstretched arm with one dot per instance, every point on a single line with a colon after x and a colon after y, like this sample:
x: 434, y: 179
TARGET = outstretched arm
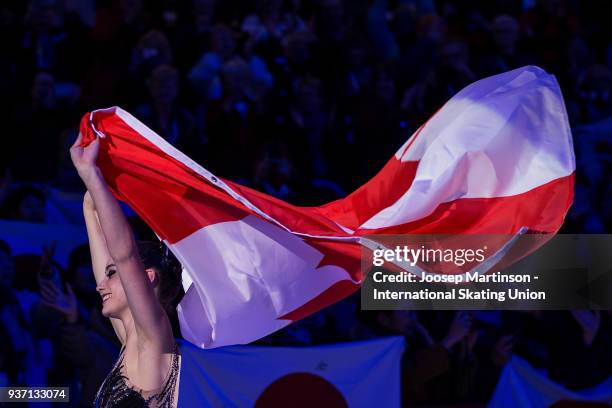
x: 100, y: 257
x: 150, y: 321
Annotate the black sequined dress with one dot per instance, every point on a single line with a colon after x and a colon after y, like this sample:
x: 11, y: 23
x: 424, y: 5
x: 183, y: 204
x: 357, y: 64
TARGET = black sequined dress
x: 117, y: 392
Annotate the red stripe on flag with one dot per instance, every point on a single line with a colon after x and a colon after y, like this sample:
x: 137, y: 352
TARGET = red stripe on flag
x: 334, y: 293
x: 380, y: 192
x: 173, y: 199
x: 541, y: 209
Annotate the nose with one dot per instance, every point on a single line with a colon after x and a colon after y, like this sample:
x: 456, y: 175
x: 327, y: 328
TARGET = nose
x: 101, y: 285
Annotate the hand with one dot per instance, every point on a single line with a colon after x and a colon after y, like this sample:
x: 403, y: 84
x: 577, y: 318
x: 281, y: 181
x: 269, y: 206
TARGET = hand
x: 422, y: 330
x: 45, y: 267
x: 65, y: 303
x: 589, y: 321
x: 459, y: 328
x: 502, y: 350
x: 467, y: 343
x: 471, y: 339
x: 84, y: 157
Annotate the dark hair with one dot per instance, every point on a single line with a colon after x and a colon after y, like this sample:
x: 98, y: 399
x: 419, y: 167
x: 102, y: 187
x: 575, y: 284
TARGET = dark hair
x: 157, y: 256
x: 79, y: 256
x: 16, y: 197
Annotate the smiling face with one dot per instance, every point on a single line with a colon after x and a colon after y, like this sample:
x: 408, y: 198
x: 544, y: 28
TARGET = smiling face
x: 114, y: 301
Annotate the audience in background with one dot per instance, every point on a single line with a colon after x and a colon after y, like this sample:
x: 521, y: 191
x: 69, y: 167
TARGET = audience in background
x: 304, y: 100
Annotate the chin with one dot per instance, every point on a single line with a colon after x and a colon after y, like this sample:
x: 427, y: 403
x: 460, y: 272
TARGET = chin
x: 109, y: 311
x: 105, y: 312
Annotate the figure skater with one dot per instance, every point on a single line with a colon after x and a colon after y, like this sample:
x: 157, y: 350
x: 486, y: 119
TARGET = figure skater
x: 138, y: 282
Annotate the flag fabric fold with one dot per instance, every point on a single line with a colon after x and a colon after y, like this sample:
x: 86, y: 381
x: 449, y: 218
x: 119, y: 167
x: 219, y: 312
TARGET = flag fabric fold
x: 253, y: 264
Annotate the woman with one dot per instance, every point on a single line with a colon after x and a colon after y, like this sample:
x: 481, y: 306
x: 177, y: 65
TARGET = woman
x: 135, y: 289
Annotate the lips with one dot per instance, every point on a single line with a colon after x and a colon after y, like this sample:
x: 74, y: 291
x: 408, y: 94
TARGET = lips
x: 105, y: 297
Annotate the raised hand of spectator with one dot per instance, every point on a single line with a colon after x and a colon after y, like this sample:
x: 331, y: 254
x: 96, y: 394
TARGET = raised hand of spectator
x: 502, y: 350
x: 471, y: 339
x: 424, y: 333
x: 55, y: 298
x: 413, y: 98
x: 459, y: 329
x: 45, y: 269
x: 589, y: 321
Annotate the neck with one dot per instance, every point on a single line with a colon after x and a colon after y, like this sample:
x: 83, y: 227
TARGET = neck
x: 128, y: 324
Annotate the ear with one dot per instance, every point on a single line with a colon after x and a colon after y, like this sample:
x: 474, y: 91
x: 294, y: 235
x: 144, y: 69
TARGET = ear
x: 152, y: 275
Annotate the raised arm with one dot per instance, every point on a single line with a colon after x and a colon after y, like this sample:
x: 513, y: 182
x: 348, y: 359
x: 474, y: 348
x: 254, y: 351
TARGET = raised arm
x: 100, y: 257
x: 149, y: 317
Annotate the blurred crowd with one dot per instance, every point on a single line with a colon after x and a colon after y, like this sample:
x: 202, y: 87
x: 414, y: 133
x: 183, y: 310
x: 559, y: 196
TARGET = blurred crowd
x: 303, y: 100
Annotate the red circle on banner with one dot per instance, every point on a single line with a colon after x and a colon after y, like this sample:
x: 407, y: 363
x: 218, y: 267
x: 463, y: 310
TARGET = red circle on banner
x: 301, y: 390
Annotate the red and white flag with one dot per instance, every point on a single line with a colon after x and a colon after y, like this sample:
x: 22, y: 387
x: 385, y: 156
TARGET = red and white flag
x: 495, y: 159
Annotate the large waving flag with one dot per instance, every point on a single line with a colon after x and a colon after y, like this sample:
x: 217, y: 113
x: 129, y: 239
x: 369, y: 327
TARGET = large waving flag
x: 254, y: 264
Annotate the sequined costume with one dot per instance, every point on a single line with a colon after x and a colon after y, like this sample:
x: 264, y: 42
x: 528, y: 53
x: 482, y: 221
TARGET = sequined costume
x: 117, y: 392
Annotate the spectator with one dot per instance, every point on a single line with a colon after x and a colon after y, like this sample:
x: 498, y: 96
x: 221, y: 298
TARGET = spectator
x: 31, y: 355
x: 433, y: 371
x: 579, y: 343
x: 38, y: 122
x: 223, y: 47
x: 164, y: 114
x: 303, y: 101
x: 25, y: 204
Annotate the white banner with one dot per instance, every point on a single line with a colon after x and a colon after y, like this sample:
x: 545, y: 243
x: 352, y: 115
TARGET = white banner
x: 359, y: 374
x: 28, y: 238
x: 520, y: 385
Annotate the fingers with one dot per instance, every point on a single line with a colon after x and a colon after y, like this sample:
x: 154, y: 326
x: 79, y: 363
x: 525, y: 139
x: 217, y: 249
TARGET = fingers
x: 47, y: 297
x: 49, y: 251
x: 70, y: 292
x: 464, y: 318
x: 94, y: 146
x: 50, y: 304
x: 78, y: 141
x: 505, y: 344
x: 472, y: 337
x: 49, y: 286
